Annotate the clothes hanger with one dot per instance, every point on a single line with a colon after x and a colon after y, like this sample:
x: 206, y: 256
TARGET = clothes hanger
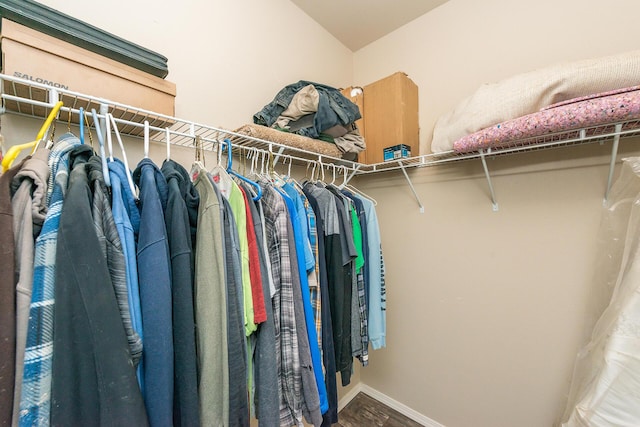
x: 167, y: 137
x: 124, y: 154
x: 230, y: 171
x: 84, y: 117
x: 290, y: 178
x: 15, y: 150
x: 199, y: 159
x: 146, y: 139
x: 353, y: 189
x: 80, y: 123
x: 105, y: 168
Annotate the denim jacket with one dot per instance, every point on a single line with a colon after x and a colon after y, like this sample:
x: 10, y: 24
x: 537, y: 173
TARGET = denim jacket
x: 333, y: 108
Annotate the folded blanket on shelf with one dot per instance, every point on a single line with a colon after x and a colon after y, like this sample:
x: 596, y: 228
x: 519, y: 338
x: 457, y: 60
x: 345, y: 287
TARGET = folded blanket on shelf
x: 529, y: 92
x: 290, y: 139
x: 607, y: 108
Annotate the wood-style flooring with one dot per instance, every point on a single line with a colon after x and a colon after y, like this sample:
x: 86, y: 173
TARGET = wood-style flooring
x: 364, y: 411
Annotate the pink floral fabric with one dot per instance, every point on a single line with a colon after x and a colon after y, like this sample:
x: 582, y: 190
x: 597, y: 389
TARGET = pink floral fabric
x: 593, y: 110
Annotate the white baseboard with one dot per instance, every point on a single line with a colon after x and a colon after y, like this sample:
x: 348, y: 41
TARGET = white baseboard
x: 392, y: 403
x: 349, y: 396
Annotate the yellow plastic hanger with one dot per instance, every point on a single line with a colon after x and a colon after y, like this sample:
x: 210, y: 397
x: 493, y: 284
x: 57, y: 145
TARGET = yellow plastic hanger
x: 15, y: 150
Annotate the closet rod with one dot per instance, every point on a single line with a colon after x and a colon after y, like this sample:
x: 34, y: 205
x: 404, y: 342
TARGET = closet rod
x: 210, y: 143
x: 126, y: 115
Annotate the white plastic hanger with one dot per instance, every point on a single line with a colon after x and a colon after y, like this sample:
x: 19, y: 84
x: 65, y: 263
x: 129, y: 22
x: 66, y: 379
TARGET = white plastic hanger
x: 354, y: 189
x: 146, y: 139
x: 167, y: 136
x: 198, y: 163
x: 103, y: 157
x: 124, y: 154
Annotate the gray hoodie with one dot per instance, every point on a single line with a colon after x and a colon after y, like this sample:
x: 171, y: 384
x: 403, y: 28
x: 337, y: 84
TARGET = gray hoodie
x: 29, y: 202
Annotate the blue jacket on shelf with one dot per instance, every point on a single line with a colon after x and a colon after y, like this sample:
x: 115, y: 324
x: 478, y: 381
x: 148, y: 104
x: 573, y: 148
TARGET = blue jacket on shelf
x: 333, y: 109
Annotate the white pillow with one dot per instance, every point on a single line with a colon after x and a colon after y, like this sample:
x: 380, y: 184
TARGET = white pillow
x: 529, y: 92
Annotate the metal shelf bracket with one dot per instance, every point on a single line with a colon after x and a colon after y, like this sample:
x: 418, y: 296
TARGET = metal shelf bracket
x: 413, y: 190
x: 486, y: 173
x: 612, y: 163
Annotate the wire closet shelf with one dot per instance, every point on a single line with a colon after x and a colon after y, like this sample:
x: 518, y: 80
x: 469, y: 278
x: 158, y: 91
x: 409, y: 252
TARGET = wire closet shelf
x: 24, y: 97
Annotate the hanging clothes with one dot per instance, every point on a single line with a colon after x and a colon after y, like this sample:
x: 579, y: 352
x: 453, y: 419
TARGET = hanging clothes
x: 155, y: 294
x: 229, y: 189
x: 210, y: 304
x: 377, y: 292
x: 113, y: 251
x: 182, y: 199
x: 328, y: 354
x: 339, y: 252
x: 276, y: 219
x: 312, y: 269
x: 255, y: 275
x: 29, y: 189
x: 309, y: 391
x: 360, y: 238
x: 303, y: 261
x: 263, y: 341
x: 127, y: 219
x: 8, y: 301
x: 95, y: 382
x: 236, y: 348
x: 35, y: 400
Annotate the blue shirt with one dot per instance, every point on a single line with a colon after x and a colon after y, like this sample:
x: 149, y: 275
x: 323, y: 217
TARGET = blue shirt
x: 123, y: 205
x: 154, y: 274
x: 377, y: 320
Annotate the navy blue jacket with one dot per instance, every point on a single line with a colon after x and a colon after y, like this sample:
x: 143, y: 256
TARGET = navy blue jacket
x: 154, y: 273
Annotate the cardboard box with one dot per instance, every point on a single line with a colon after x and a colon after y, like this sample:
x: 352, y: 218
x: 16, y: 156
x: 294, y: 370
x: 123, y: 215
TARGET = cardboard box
x: 390, y: 115
x: 33, y: 56
x: 400, y: 151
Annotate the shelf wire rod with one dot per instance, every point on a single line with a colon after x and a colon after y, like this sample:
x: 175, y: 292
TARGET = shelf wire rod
x: 612, y: 163
x: 413, y: 190
x: 494, y: 203
x: 278, y: 154
x: 351, y: 175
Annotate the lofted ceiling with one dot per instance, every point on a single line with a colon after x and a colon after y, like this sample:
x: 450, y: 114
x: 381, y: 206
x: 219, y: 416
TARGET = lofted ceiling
x: 356, y: 23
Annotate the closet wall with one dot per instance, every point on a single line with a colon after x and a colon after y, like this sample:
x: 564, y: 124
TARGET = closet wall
x: 227, y: 58
x: 487, y: 310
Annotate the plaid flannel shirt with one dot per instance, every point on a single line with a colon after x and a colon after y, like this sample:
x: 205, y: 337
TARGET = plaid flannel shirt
x: 35, y: 401
x: 289, y: 371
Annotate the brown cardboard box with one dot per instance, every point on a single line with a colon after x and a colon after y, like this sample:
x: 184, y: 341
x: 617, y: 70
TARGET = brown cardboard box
x: 31, y: 55
x: 390, y: 116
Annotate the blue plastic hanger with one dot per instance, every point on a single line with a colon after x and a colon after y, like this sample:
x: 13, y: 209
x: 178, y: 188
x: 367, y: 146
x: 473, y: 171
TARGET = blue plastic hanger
x: 81, y: 121
x: 237, y: 175
x: 105, y: 168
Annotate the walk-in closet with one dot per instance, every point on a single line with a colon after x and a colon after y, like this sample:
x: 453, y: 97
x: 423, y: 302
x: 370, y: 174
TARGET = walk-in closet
x: 449, y: 232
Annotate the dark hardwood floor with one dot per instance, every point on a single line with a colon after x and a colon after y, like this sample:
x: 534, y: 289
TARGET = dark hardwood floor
x: 364, y: 411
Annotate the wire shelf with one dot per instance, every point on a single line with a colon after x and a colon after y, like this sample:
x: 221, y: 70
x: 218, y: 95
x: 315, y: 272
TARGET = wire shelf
x: 33, y: 99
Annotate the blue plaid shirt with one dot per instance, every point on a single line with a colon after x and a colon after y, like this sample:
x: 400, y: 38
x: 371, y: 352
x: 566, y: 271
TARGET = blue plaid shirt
x: 35, y: 402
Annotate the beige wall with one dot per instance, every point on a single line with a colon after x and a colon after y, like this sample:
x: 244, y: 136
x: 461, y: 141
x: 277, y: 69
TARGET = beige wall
x: 228, y: 58
x: 486, y: 310
x: 452, y: 50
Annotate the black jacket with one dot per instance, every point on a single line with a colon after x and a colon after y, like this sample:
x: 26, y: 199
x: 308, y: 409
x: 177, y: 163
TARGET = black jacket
x: 94, y: 382
x: 180, y: 216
